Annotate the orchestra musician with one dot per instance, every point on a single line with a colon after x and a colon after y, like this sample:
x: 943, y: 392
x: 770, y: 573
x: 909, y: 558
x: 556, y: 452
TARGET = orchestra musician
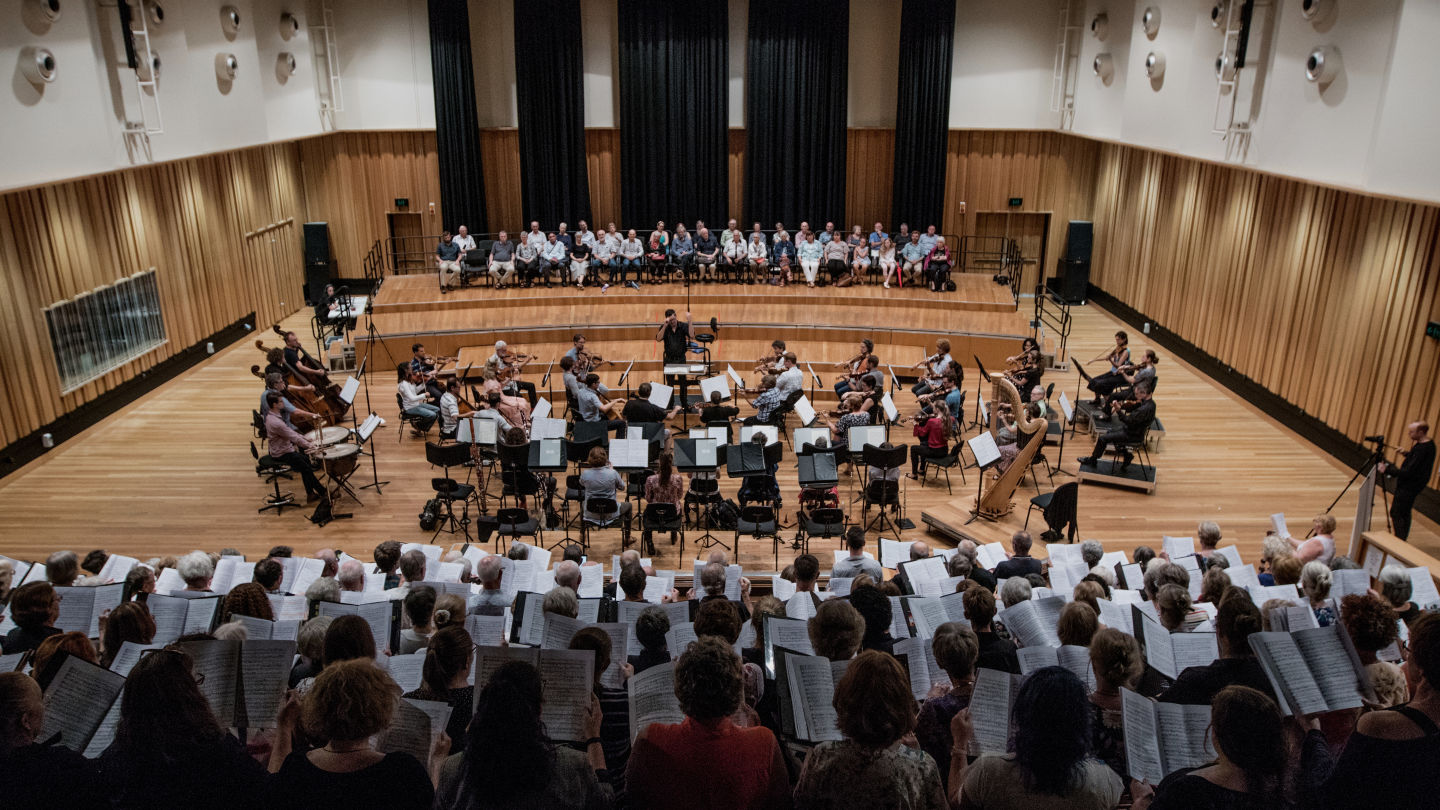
x: 585, y: 361
x: 950, y: 393
x: 507, y: 366
x: 416, y: 401
x: 1028, y: 370
x: 854, y: 367
x: 276, y: 382
x: 516, y: 410
x: 284, y: 441
x: 426, y: 366
x: 1119, y: 359
x: 772, y: 363
x: 1026, y: 346
x: 304, y: 366
x: 1135, y: 417
x: 450, y: 412
x: 934, y: 432
x: 935, y: 366
x: 1134, y: 375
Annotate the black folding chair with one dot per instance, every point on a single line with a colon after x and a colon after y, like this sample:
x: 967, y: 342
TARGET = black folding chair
x: 759, y: 520
x: 661, y: 517
x: 826, y: 522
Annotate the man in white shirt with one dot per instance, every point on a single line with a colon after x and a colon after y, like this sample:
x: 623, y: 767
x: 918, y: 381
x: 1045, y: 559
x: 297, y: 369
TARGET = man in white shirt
x: 604, y: 261
x: 416, y: 402
x: 632, y: 254
x: 450, y: 409
x: 464, y: 240
x: 792, y: 379
x: 553, y: 259
x: 584, y: 234
x: 935, y: 367
x: 536, y: 236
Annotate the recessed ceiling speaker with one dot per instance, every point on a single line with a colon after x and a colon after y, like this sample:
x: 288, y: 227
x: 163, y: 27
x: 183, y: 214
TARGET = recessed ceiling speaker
x: 289, y: 26
x: 49, y: 9
x: 1315, y: 10
x: 37, y: 64
x: 230, y: 20
x: 1155, y: 64
x: 1224, y: 67
x: 1322, y: 65
x: 285, y: 64
x: 1100, y: 26
x: 1103, y: 66
x: 150, y: 72
x: 1150, y: 21
x: 1218, y: 13
x: 225, y: 66
x: 155, y: 13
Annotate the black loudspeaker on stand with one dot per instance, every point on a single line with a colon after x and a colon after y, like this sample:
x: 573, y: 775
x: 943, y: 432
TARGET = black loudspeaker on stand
x: 318, y: 261
x: 1071, y: 282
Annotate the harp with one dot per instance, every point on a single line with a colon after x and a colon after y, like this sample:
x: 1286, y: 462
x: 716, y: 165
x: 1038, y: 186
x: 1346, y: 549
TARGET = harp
x: 994, y: 501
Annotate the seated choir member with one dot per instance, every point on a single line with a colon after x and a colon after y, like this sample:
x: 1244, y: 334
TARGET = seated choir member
x: 445, y: 679
x: 554, y: 259
x: 870, y: 768
x: 34, y: 607
x: 527, y: 261
x: 41, y: 774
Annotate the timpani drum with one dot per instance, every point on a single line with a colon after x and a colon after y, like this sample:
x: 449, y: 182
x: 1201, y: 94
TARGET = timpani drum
x: 328, y: 435
x: 340, y: 460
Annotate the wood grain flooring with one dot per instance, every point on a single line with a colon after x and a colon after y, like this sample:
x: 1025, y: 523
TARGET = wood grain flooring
x: 172, y: 472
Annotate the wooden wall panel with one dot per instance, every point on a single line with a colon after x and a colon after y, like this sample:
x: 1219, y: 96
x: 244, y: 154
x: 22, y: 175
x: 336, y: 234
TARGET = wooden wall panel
x: 1320, y: 295
x: 188, y: 219
x: 352, y: 179
x: 602, y: 162
x: 500, y: 156
x: 869, y: 177
x: 736, y: 159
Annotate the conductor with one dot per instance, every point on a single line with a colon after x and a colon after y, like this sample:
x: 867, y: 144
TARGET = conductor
x: 676, y: 340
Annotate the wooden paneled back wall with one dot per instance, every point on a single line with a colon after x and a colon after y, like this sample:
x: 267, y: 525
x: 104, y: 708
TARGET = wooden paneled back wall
x: 1319, y: 295
x: 188, y: 219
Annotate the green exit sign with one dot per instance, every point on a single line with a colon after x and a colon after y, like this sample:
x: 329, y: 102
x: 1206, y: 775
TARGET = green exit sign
x: 402, y: 202
x: 1016, y: 202
x: 1432, y: 330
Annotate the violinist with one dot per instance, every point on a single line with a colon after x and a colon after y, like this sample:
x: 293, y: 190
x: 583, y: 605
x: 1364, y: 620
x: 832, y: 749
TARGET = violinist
x: 1142, y: 373
x: 854, y: 367
x: 507, y: 366
x: 1119, y: 359
x: 302, y: 363
x: 949, y: 393
x: 934, y: 431
x: 1026, y: 346
x: 424, y: 365
x: 772, y: 363
x: 516, y: 410
x: 935, y: 366
x: 450, y: 412
x: 1135, y: 416
x: 286, y: 443
x: 416, y: 402
x: 585, y: 361
x: 276, y: 382
x: 1028, y: 370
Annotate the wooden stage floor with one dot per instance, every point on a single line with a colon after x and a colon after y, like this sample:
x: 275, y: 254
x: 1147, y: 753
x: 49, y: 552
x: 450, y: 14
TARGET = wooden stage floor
x: 172, y: 472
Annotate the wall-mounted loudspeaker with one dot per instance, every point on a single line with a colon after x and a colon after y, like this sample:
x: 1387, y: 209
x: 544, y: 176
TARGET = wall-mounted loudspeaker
x: 285, y: 65
x: 1155, y: 64
x: 1224, y: 67
x: 49, y: 9
x: 289, y: 26
x: 150, y: 72
x: 37, y: 64
x: 225, y: 66
x: 1219, y: 13
x: 1150, y: 21
x: 155, y: 13
x: 1100, y: 26
x: 230, y: 20
x: 1316, y: 11
x: 1322, y: 65
x: 1103, y: 66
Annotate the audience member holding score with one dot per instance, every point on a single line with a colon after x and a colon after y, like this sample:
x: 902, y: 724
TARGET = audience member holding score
x: 38, y: 773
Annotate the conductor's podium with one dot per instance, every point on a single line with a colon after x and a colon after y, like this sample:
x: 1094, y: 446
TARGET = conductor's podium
x: 1107, y: 471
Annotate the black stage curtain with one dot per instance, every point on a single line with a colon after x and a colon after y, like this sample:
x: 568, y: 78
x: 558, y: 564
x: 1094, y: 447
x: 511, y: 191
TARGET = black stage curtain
x: 797, y: 71
x: 922, y: 112
x: 457, y: 131
x: 673, y: 123
x: 554, y: 187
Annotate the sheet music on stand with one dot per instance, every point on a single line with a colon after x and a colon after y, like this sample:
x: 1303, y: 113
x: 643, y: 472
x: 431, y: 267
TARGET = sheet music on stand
x: 739, y: 383
x: 541, y: 410
x: 720, y: 434
x: 660, y: 394
x: 805, y: 410
x: 1067, y: 408
x: 891, y: 412
x: 625, y: 375
x: 747, y: 433
x: 983, y: 447
x: 368, y: 427
x: 547, y: 455
x: 476, y: 430
x: 810, y: 435
x: 894, y: 380
x: 984, y: 409
x: 629, y: 454
x: 862, y: 435
x: 696, y: 454
x: 545, y: 380
x: 347, y: 392
x: 547, y: 428
x: 814, y: 376
x: 710, y: 385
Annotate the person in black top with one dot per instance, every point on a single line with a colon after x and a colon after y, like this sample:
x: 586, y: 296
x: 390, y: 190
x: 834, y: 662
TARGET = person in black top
x: 1020, y: 562
x: 877, y: 611
x: 1411, y: 476
x: 303, y: 364
x: 650, y: 629
x: 1236, y: 619
x: 676, y: 339
x: 639, y: 408
x: 579, y: 263
x: 716, y: 410
x: 1134, y: 422
x: 34, y: 607
x: 995, y: 652
x: 41, y: 774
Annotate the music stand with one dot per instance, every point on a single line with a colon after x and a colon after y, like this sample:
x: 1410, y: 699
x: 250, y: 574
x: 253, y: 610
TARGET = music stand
x: 547, y: 455
x: 982, y: 447
x: 586, y: 432
x: 979, y: 391
x: 892, y: 459
x: 447, y: 456
x: 744, y: 460
x: 701, y: 456
x: 1080, y: 383
x: 819, y: 470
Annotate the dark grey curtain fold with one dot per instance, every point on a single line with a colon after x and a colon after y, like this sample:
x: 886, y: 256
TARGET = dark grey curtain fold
x: 554, y: 186
x: 673, y: 123
x: 797, y: 70
x: 457, y: 131
x: 922, y: 112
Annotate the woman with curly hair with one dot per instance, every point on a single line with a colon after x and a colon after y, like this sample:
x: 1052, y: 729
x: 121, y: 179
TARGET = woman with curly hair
x: 248, y: 599
x: 707, y: 754
x: 1372, y: 624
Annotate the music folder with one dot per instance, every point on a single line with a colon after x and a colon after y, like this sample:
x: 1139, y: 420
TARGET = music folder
x: 861, y: 435
x: 547, y: 454
x: 744, y: 459
x: 819, y: 469
x: 696, y: 455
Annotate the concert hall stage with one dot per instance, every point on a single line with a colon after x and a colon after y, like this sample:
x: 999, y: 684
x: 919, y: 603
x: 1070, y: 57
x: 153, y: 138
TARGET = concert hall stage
x: 823, y: 325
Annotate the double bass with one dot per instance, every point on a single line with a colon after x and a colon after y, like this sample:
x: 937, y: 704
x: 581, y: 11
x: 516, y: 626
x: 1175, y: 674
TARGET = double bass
x: 303, y: 400
x: 325, y: 400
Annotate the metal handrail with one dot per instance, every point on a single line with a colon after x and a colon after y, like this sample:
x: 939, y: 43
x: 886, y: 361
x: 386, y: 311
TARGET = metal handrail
x: 1052, y: 313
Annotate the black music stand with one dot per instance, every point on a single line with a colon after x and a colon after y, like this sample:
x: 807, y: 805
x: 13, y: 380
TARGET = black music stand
x: 745, y: 459
x: 447, y: 456
x: 819, y: 470
x: 1080, y: 383
x: 687, y: 461
x: 979, y: 392
x: 892, y: 459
